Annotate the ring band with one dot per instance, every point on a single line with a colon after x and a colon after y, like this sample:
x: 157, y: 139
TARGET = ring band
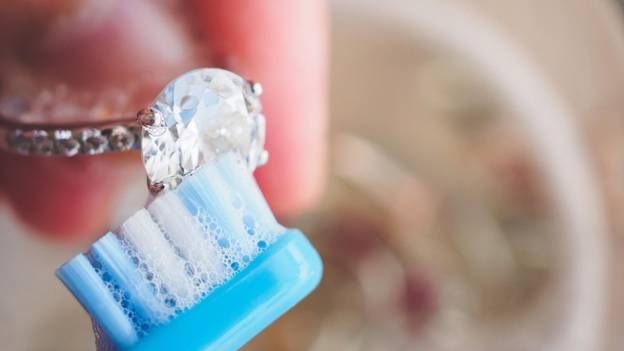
x: 86, y: 138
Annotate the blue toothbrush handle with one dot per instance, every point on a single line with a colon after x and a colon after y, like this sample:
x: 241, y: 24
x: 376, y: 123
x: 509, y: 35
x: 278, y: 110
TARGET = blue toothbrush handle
x: 234, y: 313
x: 203, y: 267
x: 85, y: 283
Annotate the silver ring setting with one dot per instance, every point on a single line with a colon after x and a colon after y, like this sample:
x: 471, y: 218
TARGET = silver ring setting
x: 197, y: 116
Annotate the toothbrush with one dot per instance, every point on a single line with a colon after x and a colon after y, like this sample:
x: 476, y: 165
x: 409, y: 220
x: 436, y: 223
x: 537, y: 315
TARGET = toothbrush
x: 204, y: 266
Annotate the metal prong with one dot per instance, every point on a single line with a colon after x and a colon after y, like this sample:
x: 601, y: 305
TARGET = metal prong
x: 151, y: 120
x: 256, y: 88
x: 155, y: 188
x: 147, y: 117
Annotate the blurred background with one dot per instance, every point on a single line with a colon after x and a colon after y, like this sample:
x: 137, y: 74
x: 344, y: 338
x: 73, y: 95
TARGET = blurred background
x: 475, y: 191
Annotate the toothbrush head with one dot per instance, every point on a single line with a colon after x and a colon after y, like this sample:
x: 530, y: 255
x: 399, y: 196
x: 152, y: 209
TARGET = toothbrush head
x: 203, y: 267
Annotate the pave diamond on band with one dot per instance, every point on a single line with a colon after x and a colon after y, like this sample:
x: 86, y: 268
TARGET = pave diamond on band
x: 70, y: 139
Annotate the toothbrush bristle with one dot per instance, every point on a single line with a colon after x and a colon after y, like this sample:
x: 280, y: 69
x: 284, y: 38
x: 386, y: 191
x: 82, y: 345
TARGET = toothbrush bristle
x: 187, y: 242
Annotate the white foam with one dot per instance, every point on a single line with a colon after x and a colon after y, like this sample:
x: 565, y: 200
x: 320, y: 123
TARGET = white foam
x: 158, y: 261
x: 203, y: 259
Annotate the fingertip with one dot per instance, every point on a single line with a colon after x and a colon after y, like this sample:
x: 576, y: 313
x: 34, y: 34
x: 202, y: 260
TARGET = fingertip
x: 283, y: 45
x: 292, y: 185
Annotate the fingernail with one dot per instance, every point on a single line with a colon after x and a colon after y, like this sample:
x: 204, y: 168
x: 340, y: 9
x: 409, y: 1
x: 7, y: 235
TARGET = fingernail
x: 114, y: 43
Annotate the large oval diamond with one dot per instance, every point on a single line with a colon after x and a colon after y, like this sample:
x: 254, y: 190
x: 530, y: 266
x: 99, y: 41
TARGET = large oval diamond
x: 198, y: 116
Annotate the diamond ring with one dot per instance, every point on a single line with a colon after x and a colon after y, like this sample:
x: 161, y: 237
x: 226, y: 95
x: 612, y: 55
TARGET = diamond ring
x: 196, y: 117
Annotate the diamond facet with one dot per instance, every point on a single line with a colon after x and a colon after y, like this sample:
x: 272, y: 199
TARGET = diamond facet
x: 205, y: 112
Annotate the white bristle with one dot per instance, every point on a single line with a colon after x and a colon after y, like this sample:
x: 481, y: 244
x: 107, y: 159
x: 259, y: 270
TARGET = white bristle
x: 216, y: 196
x: 191, y: 240
x: 159, y: 260
x: 243, y: 183
x: 204, y: 260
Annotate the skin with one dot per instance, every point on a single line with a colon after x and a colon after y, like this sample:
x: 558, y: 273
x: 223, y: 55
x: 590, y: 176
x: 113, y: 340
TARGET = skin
x: 281, y: 43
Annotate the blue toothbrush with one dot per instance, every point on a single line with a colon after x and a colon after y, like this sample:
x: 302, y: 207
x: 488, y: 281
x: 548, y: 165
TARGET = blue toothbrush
x: 204, y: 266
